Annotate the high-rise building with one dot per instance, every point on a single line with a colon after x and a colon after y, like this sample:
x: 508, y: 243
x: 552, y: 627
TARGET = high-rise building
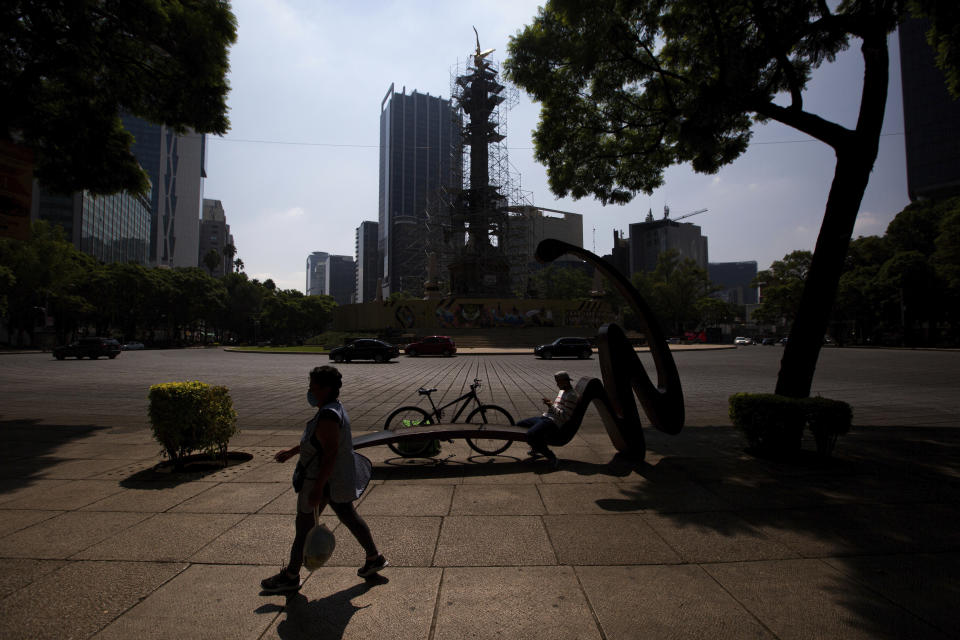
x: 735, y: 279
x: 526, y: 227
x: 176, y: 166
x: 651, y: 238
x: 931, y: 118
x: 317, y: 273
x: 366, y: 255
x: 340, y: 275
x: 418, y: 159
x: 215, y: 236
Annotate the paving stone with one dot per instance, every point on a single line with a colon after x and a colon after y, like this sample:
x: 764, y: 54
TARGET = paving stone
x: 98, y: 593
x: 65, y: 494
x: 499, y: 499
x: 402, y: 499
x: 334, y: 603
x: 513, y: 602
x: 665, y: 602
x: 16, y: 573
x: 493, y: 541
x: 268, y: 472
x: 607, y: 539
x: 163, y: 537
x: 406, y: 541
x: 262, y: 539
x: 233, y: 497
x: 15, y: 519
x: 149, y: 497
x: 204, y: 601
x: 285, y: 503
x: 78, y: 469
x: 833, y: 605
x: 602, y: 497
x: 64, y: 535
x: 715, y: 537
x: 925, y: 584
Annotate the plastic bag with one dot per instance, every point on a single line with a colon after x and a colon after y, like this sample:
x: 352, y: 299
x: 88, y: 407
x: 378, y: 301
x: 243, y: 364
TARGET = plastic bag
x: 319, y: 545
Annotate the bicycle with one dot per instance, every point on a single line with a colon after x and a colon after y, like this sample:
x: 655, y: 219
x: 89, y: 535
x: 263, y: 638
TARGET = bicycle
x: 484, y: 414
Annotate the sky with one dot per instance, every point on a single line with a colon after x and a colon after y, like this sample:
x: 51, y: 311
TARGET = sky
x: 298, y: 171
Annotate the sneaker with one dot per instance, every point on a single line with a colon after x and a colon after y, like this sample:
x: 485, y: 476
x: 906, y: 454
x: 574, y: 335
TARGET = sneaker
x: 280, y: 583
x: 534, y: 454
x: 371, y: 567
x: 553, y: 462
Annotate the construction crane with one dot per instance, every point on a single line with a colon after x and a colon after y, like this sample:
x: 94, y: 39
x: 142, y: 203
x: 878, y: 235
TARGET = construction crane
x: 686, y: 215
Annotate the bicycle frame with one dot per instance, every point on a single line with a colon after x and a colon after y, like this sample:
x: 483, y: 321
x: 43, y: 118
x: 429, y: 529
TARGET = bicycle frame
x: 437, y: 412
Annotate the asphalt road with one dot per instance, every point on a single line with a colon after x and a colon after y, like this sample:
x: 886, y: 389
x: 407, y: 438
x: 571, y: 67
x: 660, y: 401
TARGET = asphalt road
x: 885, y: 387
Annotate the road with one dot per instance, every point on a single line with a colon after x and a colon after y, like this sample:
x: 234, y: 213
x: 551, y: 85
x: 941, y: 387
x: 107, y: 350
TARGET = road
x: 885, y: 387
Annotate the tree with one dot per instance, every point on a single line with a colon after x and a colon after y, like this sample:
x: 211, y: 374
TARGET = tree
x: 629, y: 89
x: 238, y: 265
x: 557, y: 282
x: 781, y: 288
x: 678, y: 291
x: 69, y: 68
x: 211, y: 260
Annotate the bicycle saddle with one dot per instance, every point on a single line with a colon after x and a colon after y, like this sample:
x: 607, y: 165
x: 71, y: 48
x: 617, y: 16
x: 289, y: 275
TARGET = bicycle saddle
x: 424, y: 392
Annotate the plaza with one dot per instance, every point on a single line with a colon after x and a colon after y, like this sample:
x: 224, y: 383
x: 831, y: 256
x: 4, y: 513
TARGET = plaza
x: 700, y: 539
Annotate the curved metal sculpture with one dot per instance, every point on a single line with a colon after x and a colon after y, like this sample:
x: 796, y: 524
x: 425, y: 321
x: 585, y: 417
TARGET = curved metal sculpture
x: 623, y: 373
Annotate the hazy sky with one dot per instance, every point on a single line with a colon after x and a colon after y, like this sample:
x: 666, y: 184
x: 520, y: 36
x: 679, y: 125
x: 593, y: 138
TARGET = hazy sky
x: 298, y: 171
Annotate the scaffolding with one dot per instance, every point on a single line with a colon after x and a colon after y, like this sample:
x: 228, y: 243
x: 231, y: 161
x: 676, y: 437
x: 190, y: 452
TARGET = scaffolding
x: 468, y: 224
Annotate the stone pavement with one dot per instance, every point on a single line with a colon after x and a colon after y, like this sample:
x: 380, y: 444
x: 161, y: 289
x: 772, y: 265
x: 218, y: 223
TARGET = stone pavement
x: 700, y: 540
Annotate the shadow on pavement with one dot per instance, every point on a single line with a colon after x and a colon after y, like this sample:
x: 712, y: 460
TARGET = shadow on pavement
x: 324, y: 618
x: 28, y: 447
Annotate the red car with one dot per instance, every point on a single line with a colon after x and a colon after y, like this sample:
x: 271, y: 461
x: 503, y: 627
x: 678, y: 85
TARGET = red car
x: 432, y: 346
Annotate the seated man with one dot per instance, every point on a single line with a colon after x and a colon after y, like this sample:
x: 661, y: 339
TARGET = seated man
x: 548, y: 426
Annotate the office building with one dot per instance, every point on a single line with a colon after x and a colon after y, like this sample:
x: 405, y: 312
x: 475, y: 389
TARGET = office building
x: 526, y: 227
x: 931, y: 118
x: 419, y: 157
x: 340, y: 278
x: 366, y: 262
x: 215, y: 236
x: 112, y: 228
x: 317, y: 273
x: 176, y: 166
x: 651, y: 238
x: 735, y: 278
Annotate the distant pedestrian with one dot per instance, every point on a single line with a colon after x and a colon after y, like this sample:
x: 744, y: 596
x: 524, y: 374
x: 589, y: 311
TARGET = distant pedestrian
x: 331, y: 473
x: 549, y: 425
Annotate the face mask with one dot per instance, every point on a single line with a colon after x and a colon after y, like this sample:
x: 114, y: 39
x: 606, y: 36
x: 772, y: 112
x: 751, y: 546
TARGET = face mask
x: 312, y: 399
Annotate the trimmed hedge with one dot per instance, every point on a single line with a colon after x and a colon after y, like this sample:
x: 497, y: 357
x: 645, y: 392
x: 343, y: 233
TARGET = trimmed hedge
x: 774, y: 424
x: 192, y: 416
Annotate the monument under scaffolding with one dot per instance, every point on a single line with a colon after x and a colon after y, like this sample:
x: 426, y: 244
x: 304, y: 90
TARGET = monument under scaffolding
x: 468, y: 226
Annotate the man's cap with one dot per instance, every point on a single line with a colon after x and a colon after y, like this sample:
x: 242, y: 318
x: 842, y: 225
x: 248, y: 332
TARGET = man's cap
x: 562, y: 374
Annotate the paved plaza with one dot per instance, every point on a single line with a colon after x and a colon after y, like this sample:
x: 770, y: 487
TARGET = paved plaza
x: 699, y: 540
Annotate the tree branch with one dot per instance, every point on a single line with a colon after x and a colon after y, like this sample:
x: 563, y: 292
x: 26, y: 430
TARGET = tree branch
x: 813, y: 125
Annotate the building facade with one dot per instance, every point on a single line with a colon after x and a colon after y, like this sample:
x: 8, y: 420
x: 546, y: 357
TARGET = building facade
x: 366, y: 262
x: 340, y: 274
x: 419, y: 158
x: 931, y: 118
x: 526, y: 227
x: 317, y: 273
x: 176, y: 166
x: 735, y: 279
x: 649, y: 239
x: 112, y: 228
x: 215, y: 236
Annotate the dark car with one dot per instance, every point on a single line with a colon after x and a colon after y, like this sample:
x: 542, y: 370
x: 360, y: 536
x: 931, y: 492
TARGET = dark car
x: 431, y: 346
x: 91, y: 348
x: 365, y: 349
x: 769, y: 341
x: 565, y: 347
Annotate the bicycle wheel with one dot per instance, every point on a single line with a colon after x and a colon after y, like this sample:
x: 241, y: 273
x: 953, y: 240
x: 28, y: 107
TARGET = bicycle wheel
x: 489, y: 414
x: 404, y: 418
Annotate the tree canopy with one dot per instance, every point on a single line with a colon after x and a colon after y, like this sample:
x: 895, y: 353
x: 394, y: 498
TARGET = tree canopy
x: 68, y: 69
x: 628, y: 89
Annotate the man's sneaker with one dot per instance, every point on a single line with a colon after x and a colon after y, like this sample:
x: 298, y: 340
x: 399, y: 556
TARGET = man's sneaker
x: 280, y: 583
x: 371, y: 567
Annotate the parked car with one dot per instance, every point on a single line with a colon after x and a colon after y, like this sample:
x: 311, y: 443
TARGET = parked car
x: 769, y: 342
x: 91, y: 348
x: 132, y: 346
x: 742, y: 340
x: 365, y: 349
x: 565, y: 347
x: 431, y: 346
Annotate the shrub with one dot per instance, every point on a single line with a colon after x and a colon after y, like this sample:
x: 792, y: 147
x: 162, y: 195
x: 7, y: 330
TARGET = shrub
x: 774, y: 424
x: 192, y: 416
